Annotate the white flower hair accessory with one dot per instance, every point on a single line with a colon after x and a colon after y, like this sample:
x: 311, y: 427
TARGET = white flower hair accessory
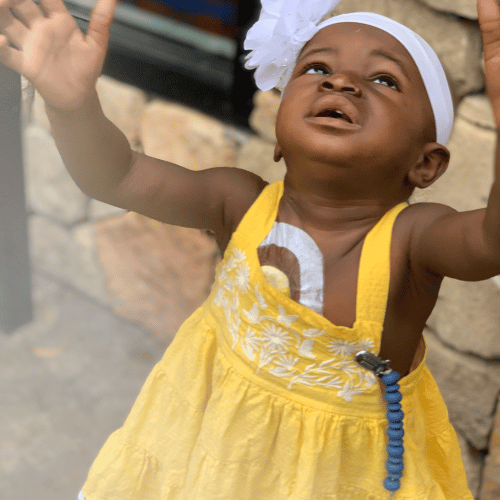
x: 276, y: 39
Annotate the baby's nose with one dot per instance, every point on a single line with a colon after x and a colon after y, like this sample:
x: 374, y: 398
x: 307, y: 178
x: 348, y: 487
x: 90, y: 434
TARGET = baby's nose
x: 341, y: 82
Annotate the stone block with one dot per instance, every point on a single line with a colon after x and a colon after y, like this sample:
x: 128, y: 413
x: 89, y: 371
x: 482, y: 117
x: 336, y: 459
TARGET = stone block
x: 68, y: 255
x: 476, y: 109
x: 123, y: 105
x: 157, y: 274
x: 99, y: 210
x: 490, y: 486
x: 257, y: 157
x: 467, y: 317
x: 49, y: 188
x: 457, y: 43
x: 496, y: 280
x: 263, y: 116
x: 185, y: 137
x: 463, y: 8
x: 473, y: 463
x: 469, y: 387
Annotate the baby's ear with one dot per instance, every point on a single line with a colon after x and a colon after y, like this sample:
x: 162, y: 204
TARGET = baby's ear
x: 431, y: 166
x: 277, y: 153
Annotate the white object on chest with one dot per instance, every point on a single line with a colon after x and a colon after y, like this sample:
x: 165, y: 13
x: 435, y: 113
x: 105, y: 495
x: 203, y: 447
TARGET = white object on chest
x: 310, y: 259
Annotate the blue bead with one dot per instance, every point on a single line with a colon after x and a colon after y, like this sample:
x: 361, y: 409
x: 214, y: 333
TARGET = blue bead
x: 396, y: 425
x: 394, y: 416
x: 393, y: 397
x: 392, y: 388
x: 391, y: 485
x: 395, y: 460
x: 394, y: 407
x: 396, y: 442
x: 390, y: 378
x: 394, y: 468
x: 395, y: 451
x: 395, y: 475
x: 395, y: 433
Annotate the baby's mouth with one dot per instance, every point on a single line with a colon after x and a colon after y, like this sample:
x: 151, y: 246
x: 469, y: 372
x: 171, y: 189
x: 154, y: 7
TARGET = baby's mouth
x: 335, y: 113
x: 336, y: 107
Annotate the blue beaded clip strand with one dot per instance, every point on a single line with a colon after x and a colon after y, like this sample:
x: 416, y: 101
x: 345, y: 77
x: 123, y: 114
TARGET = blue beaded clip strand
x: 395, y: 415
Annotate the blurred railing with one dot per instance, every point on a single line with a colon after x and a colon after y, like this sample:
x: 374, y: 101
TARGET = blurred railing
x: 179, y: 61
x: 15, y: 270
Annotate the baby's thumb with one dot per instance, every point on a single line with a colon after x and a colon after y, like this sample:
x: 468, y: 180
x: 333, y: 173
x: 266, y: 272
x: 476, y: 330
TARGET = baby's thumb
x: 100, y: 22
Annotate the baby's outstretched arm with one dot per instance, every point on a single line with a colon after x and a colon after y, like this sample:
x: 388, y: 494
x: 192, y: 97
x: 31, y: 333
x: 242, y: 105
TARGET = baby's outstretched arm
x: 44, y: 44
x: 466, y: 246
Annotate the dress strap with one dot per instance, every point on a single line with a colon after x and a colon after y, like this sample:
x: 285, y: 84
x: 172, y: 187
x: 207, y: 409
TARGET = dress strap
x: 259, y: 219
x: 375, y: 269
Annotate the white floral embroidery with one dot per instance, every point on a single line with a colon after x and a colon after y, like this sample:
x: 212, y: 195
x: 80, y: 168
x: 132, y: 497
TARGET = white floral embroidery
x: 219, y: 295
x: 223, y: 274
x: 251, y: 339
x: 231, y: 263
x: 250, y: 344
x: 229, y: 285
x: 365, y: 345
x: 253, y: 315
x: 306, y: 348
x: 266, y: 356
x: 284, y: 366
x: 349, y: 391
x: 243, y: 277
x: 271, y: 342
x: 260, y: 298
x: 235, y: 304
x: 275, y: 338
x: 239, y: 255
x: 283, y: 318
x: 314, y: 332
x: 342, y: 347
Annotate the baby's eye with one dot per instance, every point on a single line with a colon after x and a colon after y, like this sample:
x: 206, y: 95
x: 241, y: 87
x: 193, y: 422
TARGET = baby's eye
x: 316, y: 69
x: 388, y: 81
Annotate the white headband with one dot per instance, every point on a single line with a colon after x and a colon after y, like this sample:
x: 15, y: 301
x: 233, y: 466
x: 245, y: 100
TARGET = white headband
x: 285, y: 26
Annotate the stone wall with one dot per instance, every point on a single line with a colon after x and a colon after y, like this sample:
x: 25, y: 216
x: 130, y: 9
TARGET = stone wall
x: 156, y: 274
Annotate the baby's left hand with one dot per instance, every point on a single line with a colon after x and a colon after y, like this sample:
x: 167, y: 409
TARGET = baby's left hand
x: 489, y: 22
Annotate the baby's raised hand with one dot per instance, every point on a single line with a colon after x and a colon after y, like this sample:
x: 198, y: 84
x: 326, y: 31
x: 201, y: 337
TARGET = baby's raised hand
x: 51, y: 51
x: 489, y: 21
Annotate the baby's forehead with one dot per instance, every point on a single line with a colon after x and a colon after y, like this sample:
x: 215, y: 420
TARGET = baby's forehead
x: 360, y: 37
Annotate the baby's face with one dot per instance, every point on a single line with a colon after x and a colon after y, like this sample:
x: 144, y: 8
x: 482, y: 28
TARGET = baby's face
x: 355, y: 97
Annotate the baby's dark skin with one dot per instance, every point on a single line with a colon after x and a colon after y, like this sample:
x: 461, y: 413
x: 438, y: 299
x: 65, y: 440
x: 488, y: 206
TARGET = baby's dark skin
x: 341, y: 177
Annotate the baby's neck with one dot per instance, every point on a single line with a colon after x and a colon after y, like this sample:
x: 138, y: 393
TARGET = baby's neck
x: 316, y: 211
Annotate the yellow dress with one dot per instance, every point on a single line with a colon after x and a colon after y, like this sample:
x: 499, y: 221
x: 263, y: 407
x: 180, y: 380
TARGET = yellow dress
x: 259, y: 398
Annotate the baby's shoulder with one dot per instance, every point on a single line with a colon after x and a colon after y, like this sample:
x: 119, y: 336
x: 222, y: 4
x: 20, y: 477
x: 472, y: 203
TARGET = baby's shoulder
x: 418, y: 217
x: 412, y: 223
x: 240, y: 189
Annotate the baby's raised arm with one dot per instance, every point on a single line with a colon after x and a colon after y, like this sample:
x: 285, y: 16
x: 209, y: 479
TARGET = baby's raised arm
x: 63, y: 64
x: 466, y: 245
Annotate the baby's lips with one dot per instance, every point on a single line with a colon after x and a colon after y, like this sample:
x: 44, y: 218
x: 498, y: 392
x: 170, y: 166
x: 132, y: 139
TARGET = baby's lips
x: 332, y: 103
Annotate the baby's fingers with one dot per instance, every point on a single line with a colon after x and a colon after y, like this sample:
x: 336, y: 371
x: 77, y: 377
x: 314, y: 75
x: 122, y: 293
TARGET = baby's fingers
x: 100, y: 21
x: 488, y: 12
x: 15, y: 31
x: 26, y: 10
x: 10, y: 57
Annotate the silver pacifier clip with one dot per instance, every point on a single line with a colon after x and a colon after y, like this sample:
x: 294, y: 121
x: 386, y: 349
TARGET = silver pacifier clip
x: 395, y: 415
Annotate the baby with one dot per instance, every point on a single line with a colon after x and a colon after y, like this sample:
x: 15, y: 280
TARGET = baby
x: 260, y: 395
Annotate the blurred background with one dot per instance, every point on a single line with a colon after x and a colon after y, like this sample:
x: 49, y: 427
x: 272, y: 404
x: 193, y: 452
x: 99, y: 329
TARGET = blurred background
x: 91, y: 295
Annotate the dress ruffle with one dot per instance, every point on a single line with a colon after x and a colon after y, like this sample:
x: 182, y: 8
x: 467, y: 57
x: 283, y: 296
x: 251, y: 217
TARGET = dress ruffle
x: 243, y: 441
